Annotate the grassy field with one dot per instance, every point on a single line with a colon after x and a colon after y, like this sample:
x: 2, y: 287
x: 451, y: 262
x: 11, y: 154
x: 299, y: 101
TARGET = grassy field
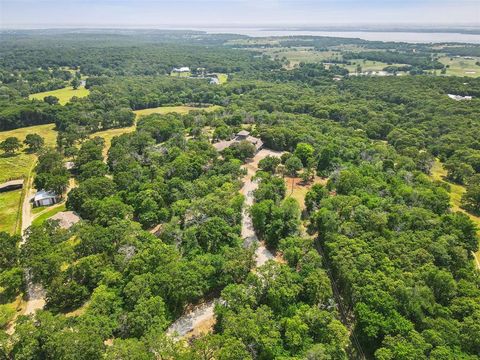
x: 48, y: 214
x: 367, y: 65
x: 64, y: 95
x: 456, y: 191
x: 297, y: 189
x: 300, y: 54
x: 461, y: 66
x: 222, y: 78
x: 108, y: 135
x: 18, y: 165
x: 10, y: 206
x: 182, y: 109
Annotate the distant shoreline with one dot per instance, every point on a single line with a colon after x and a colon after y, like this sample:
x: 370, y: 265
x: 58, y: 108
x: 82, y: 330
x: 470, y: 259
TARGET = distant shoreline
x: 416, y: 34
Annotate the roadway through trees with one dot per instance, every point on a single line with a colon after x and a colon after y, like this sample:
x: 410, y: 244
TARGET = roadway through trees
x: 202, y: 317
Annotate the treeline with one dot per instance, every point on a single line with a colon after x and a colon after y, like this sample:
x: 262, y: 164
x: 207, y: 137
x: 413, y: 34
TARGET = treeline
x: 16, y: 113
x: 116, y: 58
x: 311, y: 74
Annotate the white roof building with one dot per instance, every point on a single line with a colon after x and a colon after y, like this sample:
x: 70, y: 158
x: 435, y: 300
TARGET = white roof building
x: 459, y: 97
x: 182, y: 69
x: 44, y: 198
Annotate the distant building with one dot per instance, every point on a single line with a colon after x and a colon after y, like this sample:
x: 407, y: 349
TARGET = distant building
x: 459, y: 97
x: 44, y: 198
x: 183, y: 69
x: 240, y: 136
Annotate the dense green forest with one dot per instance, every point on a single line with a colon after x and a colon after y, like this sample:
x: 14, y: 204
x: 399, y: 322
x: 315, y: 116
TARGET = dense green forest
x: 374, y: 264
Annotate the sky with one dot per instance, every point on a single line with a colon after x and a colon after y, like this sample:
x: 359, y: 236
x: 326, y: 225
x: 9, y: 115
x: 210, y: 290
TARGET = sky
x: 212, y: 13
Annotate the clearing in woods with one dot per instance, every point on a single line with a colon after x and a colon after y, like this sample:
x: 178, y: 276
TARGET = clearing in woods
x: 456, y: 191
x: 16, y: 167
x: 108, y: 135
x: 297, y: 189
x: 64, y: 95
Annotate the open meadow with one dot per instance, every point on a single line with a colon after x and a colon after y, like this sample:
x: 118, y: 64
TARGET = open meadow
x: 456, y: 191
x: 19, y: 165
x: 16, y: 167
x: 459, y: 66
x: 64, y: 95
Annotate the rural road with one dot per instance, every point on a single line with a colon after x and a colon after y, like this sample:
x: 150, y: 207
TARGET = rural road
x: 35, y: 292
x: 202, y: 317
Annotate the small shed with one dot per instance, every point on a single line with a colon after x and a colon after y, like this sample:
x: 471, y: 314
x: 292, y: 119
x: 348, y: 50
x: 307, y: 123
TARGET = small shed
x: 44, y: 198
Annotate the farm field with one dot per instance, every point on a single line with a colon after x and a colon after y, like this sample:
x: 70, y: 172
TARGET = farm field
x: 18, y: 165
x: 64, y: 95
x: 461, y: 66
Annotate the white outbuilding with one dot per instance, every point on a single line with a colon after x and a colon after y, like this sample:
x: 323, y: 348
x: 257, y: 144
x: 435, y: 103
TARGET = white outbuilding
x: 44, y: 198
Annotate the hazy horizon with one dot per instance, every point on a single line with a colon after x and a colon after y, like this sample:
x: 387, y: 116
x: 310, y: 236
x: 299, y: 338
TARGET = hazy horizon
x: 236, y: 13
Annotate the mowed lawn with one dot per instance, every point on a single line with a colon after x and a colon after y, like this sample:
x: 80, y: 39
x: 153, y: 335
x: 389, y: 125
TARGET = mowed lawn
x: 47, y: 214
x: 19, y: 165
x: 109, y: 134
x: 64, y: 95
x: 10, y: 208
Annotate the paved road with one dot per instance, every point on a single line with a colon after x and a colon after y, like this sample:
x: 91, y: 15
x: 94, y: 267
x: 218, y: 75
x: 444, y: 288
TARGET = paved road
x: 200, y: 316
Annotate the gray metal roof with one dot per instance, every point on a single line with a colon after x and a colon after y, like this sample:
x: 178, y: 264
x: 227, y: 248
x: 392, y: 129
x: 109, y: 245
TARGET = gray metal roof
x: 42, y: 194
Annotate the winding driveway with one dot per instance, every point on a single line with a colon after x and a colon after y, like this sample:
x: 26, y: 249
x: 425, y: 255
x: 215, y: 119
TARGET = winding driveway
x: 202, y: 316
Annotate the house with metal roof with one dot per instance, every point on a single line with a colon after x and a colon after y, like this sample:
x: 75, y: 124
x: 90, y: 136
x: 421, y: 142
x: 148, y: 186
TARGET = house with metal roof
x: 45, y: 198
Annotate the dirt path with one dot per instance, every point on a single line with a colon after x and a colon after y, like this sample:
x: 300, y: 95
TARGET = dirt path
x: 201, y: 318
x: 35, y: 292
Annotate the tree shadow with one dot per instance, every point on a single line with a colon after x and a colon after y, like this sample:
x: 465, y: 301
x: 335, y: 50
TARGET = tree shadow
x: 8, y: 155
